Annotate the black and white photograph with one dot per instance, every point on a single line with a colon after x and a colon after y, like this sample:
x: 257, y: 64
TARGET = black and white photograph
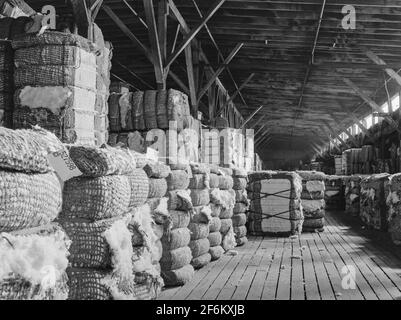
x: 205, y: 156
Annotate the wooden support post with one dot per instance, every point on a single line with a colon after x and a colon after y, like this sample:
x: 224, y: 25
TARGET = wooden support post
x: 155, y: 44
x: 191, y: 81
x: 220, y: 70
x: 212, y: 102
x: 369, y: 101
x: 191, y: 35
x: 82, y: 17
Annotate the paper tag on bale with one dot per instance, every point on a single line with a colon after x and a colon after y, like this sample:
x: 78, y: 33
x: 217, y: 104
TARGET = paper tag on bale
x: 63, y: 165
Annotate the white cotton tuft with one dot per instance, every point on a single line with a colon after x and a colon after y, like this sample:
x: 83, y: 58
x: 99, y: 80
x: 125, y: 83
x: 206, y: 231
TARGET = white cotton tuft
x: 229, y: 242
x: 52, y: 98
x: 32, y: 257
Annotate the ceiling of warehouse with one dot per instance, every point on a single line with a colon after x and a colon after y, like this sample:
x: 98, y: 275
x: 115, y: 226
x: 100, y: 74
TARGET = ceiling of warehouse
x: 301, y: 100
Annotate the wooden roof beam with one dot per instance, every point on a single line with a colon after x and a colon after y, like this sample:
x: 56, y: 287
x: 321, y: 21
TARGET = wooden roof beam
x: 335, y: 134
x: 219, y: 70
x: 251, y: 116
x: 341, y: 127
x: 128, y: 33
x: 192, y: 34
x: 155, y: 44
x: 375, y: 58
x: 220, y: 53
x: 370, y: 102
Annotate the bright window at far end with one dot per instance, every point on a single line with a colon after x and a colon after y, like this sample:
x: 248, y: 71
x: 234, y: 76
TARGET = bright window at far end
x: 395, y: 102
x: 369, y: 121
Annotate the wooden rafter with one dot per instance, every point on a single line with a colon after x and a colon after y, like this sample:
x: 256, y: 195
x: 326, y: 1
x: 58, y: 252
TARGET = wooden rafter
x: 128, y: 33
x: 154, y: 44
x: 335, y: 134
x: 370, y: 102
x: 376, y: 59
x: 213, y: 78
x: 191, y: 35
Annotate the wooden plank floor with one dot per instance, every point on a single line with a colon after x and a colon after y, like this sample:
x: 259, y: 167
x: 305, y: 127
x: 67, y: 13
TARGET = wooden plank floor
x: 310, y: 267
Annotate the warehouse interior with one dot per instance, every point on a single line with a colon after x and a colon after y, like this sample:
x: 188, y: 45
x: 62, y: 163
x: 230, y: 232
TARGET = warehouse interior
x: 248, y: 150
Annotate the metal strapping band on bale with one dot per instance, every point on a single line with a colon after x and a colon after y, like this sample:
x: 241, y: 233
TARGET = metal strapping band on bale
x: 265, y: 194
x: 268, y: 216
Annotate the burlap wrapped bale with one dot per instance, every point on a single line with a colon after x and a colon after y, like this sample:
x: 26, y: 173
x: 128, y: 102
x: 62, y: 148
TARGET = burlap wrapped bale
x: 200, y: 168
x: 161, y: 109
x: 156, y: 170
x: 27, y: 256
x: 149, y: 108
x: 214, y: 238
x: 239, y: 173
x: 215, y: 210
x: 97, y: 162
x: 216, y: 252
x: 114, y: 113
x: 138, y: 111
x: 199, y: 247
x: 125, y: 104
x: 373, y: 201
x: 241, y: 196
x: 139, y: 185
x: 275, y: 202
x: 96, y: 198
x: 91, y: 284
x: 201, y: 214
x: 177, y: 107
x: 179, y: 276
x: 157, y: 187
x: 226, y: 213
x: 201, y: 261
x: 240, y: 207
x: 214, y: 181
x: 180, y: 219
x: 215, y: 224
x: 393, y: 196
x: 199, y: 181
x: 226, y: 171
x: 239, y: 219
x: 311, y: 175
x: 239, y: 183
x: 226, y: 225
x: 313, y: 190
x: 27, y: 150
x: 179, y: 200
x: 51, y: 38
x: 241, y: 241
x: 215, y: 169
x: 28, y: 200
x: 178, y: 180
x: 89, y: 246
x: 198, y: 230
x: 200, y: 197
x: 177, y: 238
x: 175, y: 259
x: 240, y: 232
x: 225, y: 183
x: 352, y: 194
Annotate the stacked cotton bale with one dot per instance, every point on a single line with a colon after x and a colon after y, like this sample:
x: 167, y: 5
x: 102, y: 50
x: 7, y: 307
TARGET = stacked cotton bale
x: 175, y: 263
x: 7, y: 83
x: 98, y: 207
x: 240, y: 179
x: 215, y: 237
x: 156, y: 204
x: 352, y: 194
x: 55, y: 82
x: 393, y: 195
x: 201, y: 217
x: 373, y: 202
x: 312, y: 198
x: 103, y: 67
x: 223, y: 201
x: 333, y: 195
x: 33, y: 250
x: 275, y: 203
